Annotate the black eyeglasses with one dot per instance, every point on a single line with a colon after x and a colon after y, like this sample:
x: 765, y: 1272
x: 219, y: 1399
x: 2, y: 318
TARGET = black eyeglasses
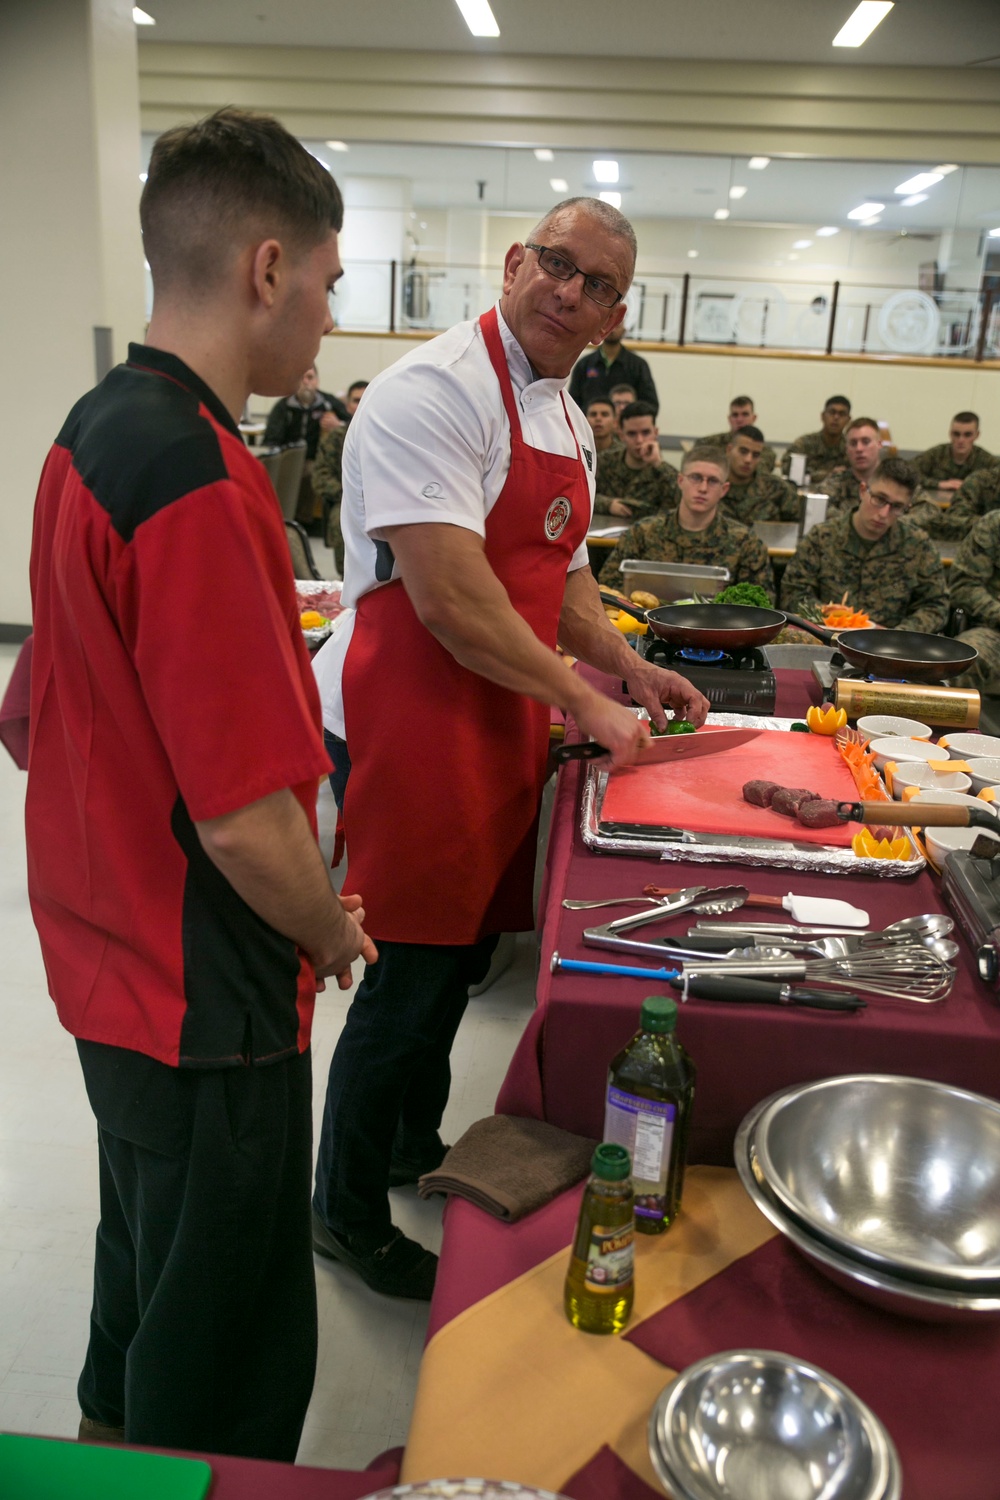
x: 599, y: 291
x: 882, y: 502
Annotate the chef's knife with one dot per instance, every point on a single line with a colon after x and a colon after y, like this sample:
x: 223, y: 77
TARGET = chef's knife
x: 754, y: 990
x: 663, y: 747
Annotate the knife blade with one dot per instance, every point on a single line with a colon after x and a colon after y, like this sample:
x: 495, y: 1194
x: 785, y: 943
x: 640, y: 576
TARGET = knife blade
x: 664, y: 747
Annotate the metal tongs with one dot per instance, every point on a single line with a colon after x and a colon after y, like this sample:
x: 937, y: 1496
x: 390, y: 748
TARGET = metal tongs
x: 613, y: 935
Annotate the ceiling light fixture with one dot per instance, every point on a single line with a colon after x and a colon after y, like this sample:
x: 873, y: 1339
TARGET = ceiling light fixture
x: 869, y: 223
x: 758, y: 163
x: 615, y: 199
x: 337, y: 145
x: 827, y: 231
x: 721, y: 213
x: 605, y: 171
x: 542, y: 153
x: 993, y: 234
x: 949, y: 166
x: 801, y: 244
x: 478, y: 17
x: 737, y: 192
x: 862, y: 22
x: 559, y: 184
x: 692, y: 255
x: 918, y: 183
x: 913, y: 200
x: 141, y: 18
x: 865, y: 210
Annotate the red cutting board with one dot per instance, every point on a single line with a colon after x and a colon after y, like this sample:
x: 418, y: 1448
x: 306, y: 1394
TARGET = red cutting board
x: 706, y: 795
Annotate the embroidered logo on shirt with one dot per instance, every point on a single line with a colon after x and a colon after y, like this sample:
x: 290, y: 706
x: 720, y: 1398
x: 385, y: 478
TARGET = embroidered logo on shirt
x: 432, y: 491
x: 556, y: 517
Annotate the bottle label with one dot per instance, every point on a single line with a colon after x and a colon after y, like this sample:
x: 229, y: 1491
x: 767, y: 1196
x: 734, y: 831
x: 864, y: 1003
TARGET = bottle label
x: 610, y: 1258
x: 646, y: 1128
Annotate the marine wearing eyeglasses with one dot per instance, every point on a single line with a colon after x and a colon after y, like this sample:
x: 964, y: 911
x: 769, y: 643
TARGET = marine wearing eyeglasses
x: 884, y: 564
x: 698, y: 530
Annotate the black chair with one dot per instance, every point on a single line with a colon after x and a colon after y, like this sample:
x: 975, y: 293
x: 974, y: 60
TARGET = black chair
x: 289, y: 478
x: 302, y: 558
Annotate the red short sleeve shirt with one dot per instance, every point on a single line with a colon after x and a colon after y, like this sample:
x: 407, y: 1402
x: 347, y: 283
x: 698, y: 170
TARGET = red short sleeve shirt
x: 170, y: 684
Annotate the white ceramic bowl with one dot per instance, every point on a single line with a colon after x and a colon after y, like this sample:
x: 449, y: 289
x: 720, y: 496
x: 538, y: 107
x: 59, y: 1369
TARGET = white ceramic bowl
x: 985, y: 772
x: 944, y: 841
x: 918, y: 774
x: 901, y: 750
x: 878, y: 726
x: 961, y: 797
x: 969, y: 746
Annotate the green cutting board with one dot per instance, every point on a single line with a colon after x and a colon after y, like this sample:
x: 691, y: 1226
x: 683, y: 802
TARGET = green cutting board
x: 45, y: 1469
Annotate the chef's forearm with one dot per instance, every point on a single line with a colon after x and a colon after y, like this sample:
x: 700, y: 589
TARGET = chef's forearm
x: 585, y: 630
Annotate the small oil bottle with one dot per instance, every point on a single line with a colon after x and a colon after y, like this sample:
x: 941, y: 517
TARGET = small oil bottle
x: 648, y: 1111
x: 600, y: 1281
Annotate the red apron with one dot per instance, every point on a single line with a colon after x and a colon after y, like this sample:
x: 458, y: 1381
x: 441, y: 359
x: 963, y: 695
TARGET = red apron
x: 447, y: 768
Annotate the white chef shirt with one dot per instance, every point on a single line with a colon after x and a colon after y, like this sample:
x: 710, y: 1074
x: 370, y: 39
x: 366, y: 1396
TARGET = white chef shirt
x: 430, y: 442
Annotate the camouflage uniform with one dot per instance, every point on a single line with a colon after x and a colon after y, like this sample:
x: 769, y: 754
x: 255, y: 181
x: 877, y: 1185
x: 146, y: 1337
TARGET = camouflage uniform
x: 843, y: 490
x: 326, y: 478
x: 766, y: 462
x: 820, y: 457
x: 936, y: 464
x: 898, y: 580
x: 979, y: 494
x: 645, y: 491
x: 724, y: 544
x: 975, y: 587
x: 764, y: 497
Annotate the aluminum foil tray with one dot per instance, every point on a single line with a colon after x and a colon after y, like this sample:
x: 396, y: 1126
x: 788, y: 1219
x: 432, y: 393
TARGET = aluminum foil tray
x: 710, y: 849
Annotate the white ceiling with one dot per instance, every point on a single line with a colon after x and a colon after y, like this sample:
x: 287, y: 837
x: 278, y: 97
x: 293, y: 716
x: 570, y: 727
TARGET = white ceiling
x: 959, y: 33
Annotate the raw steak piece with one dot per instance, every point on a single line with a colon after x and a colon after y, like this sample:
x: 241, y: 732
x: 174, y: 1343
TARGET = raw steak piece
x: 820, y: 812
x: 788, y: 799
x: 759, y: 793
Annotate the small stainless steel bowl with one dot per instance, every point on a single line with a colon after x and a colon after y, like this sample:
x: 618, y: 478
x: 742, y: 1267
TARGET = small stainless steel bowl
x: 910, y: 1299
x: 751, y: 1422
x: 900, y: 1173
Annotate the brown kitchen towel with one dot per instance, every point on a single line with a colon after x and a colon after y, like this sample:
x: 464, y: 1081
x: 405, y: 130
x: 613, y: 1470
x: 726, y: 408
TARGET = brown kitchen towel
x: 510, y: 1167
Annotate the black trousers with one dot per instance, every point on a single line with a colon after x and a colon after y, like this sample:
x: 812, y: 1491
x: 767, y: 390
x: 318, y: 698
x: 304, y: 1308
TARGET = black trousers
x: 203, y: 1329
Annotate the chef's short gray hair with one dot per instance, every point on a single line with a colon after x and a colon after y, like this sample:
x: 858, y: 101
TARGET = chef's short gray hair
x: 609, y: 218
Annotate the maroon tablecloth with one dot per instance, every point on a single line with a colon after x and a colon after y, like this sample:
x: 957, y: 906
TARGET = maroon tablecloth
x: 14, y: 708
x: 742, y: 1053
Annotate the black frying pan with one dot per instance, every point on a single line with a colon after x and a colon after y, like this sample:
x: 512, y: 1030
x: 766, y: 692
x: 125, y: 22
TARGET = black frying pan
x: 724, y: 626
x: 905, y: 653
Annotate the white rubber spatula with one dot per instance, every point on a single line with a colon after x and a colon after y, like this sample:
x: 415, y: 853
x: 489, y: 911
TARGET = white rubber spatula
x: 811, y: 911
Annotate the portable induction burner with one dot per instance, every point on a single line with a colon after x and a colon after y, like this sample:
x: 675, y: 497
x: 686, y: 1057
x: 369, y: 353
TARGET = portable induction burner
x: 739, y: 681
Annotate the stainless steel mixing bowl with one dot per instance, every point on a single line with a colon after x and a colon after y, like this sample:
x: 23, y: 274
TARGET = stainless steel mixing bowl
x: 895, y: 1294
x: 751, y: 1424
x: 901, y: 1173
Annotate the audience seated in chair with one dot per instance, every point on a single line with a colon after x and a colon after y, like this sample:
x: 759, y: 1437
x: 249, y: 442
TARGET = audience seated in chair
x: 824, y: 450
x: 755, y: 494
x: 741, y: 414
x: 635, y: 480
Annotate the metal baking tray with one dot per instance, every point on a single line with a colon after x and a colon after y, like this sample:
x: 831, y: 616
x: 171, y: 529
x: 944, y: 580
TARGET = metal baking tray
x: 716, y: 848
x: 672, y: 580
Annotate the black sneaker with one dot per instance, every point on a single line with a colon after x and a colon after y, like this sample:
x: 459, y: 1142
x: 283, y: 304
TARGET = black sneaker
x: 398, y: 1268
x: 406, y: 1169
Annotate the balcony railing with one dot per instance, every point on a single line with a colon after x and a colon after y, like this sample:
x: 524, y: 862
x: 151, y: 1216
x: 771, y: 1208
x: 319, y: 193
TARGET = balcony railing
x: 839, y: 317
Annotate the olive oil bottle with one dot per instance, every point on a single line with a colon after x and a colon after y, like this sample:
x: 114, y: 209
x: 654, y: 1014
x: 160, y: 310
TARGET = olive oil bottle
x: 600, y: 1280
x: 648, y: 1111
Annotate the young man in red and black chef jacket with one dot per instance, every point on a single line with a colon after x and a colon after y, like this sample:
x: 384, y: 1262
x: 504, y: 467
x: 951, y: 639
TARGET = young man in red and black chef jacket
x: 182, y: 903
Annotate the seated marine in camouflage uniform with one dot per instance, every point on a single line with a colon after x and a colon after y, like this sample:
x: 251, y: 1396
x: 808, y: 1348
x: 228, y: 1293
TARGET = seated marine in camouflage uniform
x: 698, y: 531
x: 948, y: 465
x: 326, y: 475
x: 824, y: 450
x: 635, y: 480
x: 975, y: 587
x: 977, y: 497
x: 754, y: 495
x: 863, y: 443
x: 741, y: 414
x: 884, y: 564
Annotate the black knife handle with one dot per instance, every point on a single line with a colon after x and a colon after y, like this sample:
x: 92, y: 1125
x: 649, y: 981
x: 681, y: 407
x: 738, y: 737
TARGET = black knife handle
x: 585, y: 750
x: 706, y: 987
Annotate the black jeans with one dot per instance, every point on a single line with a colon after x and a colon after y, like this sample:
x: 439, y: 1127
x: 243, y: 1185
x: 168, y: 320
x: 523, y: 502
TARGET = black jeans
x: 203, y: 1329
x: 390, y: 1076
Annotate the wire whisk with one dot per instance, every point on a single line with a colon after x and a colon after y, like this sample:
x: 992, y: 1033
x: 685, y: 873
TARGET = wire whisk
x: 899, y: 972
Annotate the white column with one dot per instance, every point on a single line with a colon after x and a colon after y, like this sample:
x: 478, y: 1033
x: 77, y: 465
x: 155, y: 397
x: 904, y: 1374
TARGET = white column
x: 376, y: 215
x: 69, y: 235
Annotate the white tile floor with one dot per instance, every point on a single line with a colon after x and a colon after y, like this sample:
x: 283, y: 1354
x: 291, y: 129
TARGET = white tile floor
x: 370, y: 1346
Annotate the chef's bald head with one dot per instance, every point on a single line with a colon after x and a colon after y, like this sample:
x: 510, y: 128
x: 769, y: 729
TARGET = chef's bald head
x: 609, y: 219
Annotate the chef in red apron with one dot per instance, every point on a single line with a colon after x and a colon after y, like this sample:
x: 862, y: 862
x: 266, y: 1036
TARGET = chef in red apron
x: 468, y: 491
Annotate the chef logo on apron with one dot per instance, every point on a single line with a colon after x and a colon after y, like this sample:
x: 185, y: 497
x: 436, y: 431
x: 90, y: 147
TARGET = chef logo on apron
x: 556, y: 517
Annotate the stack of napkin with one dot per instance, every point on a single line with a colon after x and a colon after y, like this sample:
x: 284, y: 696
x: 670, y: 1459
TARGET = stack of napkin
x: 509, y: 1166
